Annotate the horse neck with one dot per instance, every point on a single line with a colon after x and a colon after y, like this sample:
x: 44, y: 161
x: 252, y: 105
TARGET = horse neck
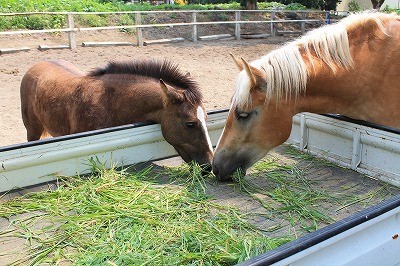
x: 326, y: 92
x: 139, y: 101
x: 332, y: 91
x: 361, y: 89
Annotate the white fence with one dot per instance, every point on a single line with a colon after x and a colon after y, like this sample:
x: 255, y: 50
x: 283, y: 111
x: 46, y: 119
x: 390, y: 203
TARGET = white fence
x: 139, y: 26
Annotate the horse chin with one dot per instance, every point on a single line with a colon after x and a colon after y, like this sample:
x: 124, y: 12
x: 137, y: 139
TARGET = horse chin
x: 183, y: 155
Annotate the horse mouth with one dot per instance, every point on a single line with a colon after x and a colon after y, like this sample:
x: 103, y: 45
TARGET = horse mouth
x: 228, y: 166
x: 228, y: 174
x: 204, y: 161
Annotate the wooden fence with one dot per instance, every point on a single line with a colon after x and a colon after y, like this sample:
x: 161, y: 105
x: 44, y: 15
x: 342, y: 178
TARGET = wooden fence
x: 139, y: 26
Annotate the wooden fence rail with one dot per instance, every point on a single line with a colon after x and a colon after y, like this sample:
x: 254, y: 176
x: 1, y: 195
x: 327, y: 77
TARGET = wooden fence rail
x: 71, y: 29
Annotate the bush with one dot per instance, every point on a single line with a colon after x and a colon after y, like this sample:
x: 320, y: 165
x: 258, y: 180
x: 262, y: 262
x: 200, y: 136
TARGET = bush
x: 36, y: 22
x: 295, y: 6
x: 32, y: 22
x: 270, y: 5
x: 208, y: 1
x: 354, y: 6
x: 92, y: 20
x: 314, y: 4
x: 388, y: 9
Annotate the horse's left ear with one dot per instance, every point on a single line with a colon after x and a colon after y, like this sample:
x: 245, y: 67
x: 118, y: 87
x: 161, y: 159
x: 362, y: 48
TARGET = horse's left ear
x: 171, y: 94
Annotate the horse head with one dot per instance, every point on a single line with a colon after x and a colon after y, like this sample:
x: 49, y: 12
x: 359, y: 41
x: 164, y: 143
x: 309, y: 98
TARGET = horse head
x: 254, y: 125
x: 183, y: 125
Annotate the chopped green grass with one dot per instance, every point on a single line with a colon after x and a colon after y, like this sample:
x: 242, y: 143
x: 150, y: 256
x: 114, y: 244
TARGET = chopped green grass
x: 306, y: 203
x: 129, y: 217
x: 289, y: 194
x: 125, y: 218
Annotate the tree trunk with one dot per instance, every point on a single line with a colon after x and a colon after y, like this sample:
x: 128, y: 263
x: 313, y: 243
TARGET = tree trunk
x: 251, y: 4
x: 376, y: 4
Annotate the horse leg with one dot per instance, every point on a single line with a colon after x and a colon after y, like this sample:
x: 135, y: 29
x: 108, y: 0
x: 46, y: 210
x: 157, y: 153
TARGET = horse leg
x: 33, y: 126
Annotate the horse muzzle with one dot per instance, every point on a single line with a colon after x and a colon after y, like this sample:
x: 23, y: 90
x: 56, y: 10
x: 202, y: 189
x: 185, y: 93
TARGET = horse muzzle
x: 205, y: 165
x: 225, y: 166
x: 203, y: 159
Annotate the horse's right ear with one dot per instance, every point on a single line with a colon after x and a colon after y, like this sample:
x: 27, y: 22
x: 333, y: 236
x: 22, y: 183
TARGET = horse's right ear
x: 239, y: 63
x: 171, y: 94
x: 249, y: 72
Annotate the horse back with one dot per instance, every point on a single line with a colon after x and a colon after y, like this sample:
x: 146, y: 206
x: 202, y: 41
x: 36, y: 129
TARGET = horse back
x: 45, y: 88
x: 49, y: 72
x: 67, y: 66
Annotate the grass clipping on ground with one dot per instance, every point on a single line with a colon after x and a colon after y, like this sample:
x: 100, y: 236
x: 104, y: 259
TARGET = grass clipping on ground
x: 121, y: 217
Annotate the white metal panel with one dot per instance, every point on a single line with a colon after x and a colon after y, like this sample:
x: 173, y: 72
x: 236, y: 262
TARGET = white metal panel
x: 364, y: 149
x: 32, y: 165
x: 374, y: 242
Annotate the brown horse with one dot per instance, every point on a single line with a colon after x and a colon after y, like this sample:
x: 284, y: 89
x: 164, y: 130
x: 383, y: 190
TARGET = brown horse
x: 351, y: 68
x: 59, y: 99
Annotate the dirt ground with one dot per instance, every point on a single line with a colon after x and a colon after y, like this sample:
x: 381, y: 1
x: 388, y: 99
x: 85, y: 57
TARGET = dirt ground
x: 207, y: 61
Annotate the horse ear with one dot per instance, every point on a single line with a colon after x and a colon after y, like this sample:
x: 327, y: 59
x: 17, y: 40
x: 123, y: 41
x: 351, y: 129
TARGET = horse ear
x: 249, y: 73
x: 171, y: 94
x: 239, y: 64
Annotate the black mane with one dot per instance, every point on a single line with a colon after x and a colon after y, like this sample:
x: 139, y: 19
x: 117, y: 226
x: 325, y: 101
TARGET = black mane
x: 164, y: 70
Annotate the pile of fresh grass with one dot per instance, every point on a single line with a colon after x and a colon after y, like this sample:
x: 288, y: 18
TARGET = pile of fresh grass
x: 123, y: 218
x: 136, y: 218
x: 304, y: 202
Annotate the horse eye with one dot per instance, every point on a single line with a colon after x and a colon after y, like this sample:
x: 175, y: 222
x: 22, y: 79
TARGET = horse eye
x: 243, y: 115
x: 190, y: 124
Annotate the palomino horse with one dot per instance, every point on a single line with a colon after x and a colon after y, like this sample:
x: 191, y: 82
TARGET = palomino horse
x: 58, y: 99
x: 351, y: 68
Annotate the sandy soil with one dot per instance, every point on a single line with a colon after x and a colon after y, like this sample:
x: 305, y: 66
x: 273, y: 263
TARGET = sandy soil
x: 208, y: 62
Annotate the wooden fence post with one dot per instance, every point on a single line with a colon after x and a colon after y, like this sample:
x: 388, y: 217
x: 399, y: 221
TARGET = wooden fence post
x: 139, y: 33
x: 194, y: 27
x: 237, y: 24
x: 303, y: 23
x: 71, y: 32
x: 273, y: 27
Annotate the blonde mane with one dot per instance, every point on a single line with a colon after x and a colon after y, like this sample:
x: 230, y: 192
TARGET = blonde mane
x: 285, y: 70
